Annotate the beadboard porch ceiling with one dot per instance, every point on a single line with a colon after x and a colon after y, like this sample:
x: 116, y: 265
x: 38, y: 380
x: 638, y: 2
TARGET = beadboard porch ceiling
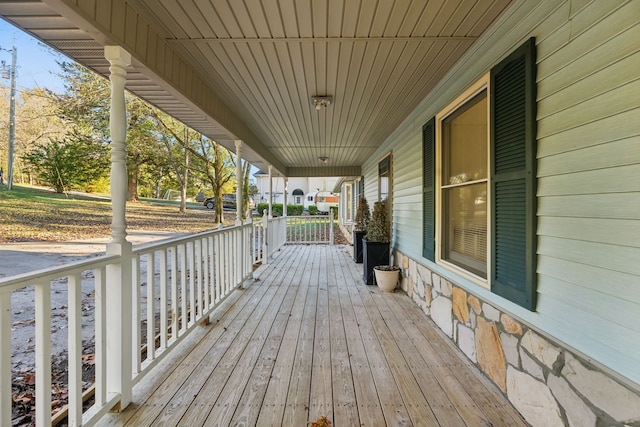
x: 247, y: 69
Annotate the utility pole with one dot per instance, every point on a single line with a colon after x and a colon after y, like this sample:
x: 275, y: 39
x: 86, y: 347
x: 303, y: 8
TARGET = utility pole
x: 12, y: 110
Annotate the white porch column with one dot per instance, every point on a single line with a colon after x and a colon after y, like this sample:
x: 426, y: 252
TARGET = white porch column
x: 239, y: 182
x: 119, y: 280
x: 270, y: 193
x: 239, y: 262
x: 284, y: 208
x: 286, y: 194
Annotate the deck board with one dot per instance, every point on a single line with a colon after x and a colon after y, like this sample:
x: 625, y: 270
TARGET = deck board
x: 309, y: 339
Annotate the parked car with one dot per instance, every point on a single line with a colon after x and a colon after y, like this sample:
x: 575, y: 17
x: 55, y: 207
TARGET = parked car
x: 228, y: 201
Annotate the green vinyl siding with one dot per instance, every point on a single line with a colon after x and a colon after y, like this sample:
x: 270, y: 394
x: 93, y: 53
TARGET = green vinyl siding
x: 588, y: 199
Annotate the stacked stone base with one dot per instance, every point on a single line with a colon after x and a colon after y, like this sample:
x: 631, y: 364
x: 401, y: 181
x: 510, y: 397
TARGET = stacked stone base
x: 547, y: 383
x: 346, y: 230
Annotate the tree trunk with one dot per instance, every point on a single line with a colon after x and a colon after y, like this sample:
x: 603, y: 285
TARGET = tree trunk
x: 183, y: 183
x: 159, y: 185
x: 132, y: 185
x: 245, y: 189
x: 219, y: 208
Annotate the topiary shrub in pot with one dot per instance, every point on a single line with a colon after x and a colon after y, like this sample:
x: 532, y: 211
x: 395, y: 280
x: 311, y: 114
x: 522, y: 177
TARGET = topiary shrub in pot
x: 375, y: 244
x: 363, y: 216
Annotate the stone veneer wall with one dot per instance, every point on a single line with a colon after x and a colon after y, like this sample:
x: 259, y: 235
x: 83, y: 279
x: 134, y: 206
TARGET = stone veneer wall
x: 346, y: 231
x: 548, y: 384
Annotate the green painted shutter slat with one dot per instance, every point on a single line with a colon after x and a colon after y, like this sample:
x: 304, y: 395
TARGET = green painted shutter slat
x: 428, y: 197
x: 513, y: 142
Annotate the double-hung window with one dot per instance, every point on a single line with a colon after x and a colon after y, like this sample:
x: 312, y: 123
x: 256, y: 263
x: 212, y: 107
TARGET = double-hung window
x: 384, y: 178
x: 479, y: 181
x: 463, y: 138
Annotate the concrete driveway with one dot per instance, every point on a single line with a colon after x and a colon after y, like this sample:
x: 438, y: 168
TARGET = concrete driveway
x: 27, y: 257
x: 22, y: 258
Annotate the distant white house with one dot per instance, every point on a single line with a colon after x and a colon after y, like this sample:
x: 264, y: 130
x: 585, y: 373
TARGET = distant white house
x: 298, y: 188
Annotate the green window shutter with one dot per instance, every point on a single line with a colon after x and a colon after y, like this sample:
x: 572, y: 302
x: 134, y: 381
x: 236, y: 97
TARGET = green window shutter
x: 428, y: 196
x: 513, y: 176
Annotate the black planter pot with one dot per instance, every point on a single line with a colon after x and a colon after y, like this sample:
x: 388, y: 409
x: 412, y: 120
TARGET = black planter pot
x: 357, y: 245
x: 374, y: 253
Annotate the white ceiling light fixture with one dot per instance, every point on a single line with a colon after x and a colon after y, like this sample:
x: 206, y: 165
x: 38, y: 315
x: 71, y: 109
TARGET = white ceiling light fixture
x: 323, y: 159
x: 321, y: 102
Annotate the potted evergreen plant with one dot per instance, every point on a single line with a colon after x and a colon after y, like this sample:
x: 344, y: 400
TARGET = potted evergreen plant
x: 375, y: 244
x: 363, y: 216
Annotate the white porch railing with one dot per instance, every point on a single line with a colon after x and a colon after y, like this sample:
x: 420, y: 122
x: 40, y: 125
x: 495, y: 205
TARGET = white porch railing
x: 277, y: 234
x: 259, y: 241
x: 269, y: 235
x: 309, y: 229
x: 176, y: 285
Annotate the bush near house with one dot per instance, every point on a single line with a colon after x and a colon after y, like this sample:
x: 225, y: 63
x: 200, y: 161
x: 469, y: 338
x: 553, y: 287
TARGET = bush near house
x: 276, y: 209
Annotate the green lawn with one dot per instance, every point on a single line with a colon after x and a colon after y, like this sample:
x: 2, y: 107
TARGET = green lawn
x: 29, y: 214
x: 309, y: 229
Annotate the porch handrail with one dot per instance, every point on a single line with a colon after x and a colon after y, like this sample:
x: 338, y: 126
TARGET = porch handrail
x: 269, y: 235
x: 258, y: 241
x: 309, y: 229
x: 190, y: 277
x: 277, y: 234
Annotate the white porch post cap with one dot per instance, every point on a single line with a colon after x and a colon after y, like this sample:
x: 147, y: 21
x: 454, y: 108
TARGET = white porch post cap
x: 118, y: 55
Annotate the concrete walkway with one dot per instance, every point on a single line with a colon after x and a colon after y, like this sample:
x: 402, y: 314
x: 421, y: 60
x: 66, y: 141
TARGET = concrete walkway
x: 27, y: 257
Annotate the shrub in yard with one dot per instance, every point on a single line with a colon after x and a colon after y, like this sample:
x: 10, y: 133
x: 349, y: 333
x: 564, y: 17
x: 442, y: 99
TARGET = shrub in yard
x: 261, y: 207
x: 276, y: 209
x: 68, y: 164
x: 295, y: 210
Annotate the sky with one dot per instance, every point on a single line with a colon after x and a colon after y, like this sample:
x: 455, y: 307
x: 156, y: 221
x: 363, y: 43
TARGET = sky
x: 36, y: 63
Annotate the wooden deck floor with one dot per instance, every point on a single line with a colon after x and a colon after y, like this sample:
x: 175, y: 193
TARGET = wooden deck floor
x: 310, y: 339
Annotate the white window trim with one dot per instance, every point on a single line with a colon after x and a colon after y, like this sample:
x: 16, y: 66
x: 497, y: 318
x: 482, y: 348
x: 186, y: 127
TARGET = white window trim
x: 348, y: 201
x: 480, y: 85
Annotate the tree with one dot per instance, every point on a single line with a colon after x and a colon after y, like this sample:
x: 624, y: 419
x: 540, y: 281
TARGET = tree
x: 36, y: 123
x: 189, y: 150
x: 85, y: 105
x: 144, y: 149
x: 211, y: 162
x: 176, y: 138
x: 160, y: 149
x: 69, y: 164
x: 219, y: 170
x: 246, y: 174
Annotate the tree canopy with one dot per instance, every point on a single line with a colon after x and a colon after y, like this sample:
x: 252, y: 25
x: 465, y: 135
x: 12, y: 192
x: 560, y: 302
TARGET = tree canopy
x: 62, y: 140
